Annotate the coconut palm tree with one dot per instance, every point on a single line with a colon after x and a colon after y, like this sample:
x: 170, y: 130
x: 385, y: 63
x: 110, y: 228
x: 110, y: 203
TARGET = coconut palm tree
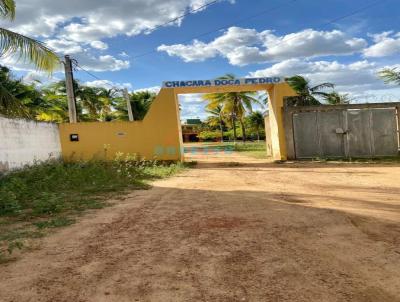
x: 335, y: 98
x: 140, y: 104
x: 218, y: 114
x: 233, y: 104
x: 12, y: 43
x: 22, y: 47
x: 390, y: 75
x: 256, y: 120
x: 10, y: 105
x: 107, y: 98
x: 307, y: 94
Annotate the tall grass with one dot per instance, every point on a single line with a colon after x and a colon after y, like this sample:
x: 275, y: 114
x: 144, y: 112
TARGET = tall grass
x: 49, y: 194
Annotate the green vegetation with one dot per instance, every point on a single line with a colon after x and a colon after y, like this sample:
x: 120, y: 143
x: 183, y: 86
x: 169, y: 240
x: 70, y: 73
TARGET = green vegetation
x: 252, y: 149
x: 390, y: 76
x: 230, y: 107
x: 51, y: 194
x: 311, y: 95
x: 17, y: 45
x: 256, y: 150
x: 49, y: 103
x: 210, y: 131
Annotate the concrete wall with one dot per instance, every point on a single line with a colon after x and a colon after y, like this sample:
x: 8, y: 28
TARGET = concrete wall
x: 23, y: 142
x: 158, y: 136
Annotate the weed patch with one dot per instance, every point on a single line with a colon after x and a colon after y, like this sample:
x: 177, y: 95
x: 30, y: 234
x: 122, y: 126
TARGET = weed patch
x: 48, y: 195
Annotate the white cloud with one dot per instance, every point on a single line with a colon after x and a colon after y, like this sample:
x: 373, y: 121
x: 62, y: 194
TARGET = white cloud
x: 123, y: 54
x: 39, y: 79
x: 64, y: 46
x: 99, y: 45
x: 108, y: 84
x: 154, y: 89
x: 77, y: 27
x: 245, y: 46
x: 102, y: 63
x: 386, y: 44
x: 357, y: 77
x: 92, y: 20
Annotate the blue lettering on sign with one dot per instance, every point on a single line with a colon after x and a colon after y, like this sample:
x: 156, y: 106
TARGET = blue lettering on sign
x: 222, y: 82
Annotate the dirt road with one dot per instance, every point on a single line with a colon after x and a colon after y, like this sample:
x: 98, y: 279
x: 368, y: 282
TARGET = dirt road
x: 232, y: 229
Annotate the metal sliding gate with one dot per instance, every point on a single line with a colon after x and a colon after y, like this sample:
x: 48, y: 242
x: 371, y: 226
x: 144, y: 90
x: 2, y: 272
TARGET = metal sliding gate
x: 343, y: 131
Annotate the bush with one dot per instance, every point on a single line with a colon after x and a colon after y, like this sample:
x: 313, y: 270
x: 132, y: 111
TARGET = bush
x: 209, y: 135
x: 54, y: 187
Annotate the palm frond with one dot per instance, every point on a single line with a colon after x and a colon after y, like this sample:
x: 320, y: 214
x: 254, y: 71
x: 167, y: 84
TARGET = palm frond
x: 29, y: 49
x: 7, y: 9
x: 10, y: 105
x: 321, y: 93
x: 298, y: 83
x: 322, y: 86
x: 390, y: 76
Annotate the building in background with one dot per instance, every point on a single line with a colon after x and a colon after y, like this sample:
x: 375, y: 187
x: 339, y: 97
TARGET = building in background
x: 190, y: 130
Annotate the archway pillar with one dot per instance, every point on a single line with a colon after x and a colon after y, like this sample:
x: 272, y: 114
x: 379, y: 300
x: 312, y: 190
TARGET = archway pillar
x: 277, y: 93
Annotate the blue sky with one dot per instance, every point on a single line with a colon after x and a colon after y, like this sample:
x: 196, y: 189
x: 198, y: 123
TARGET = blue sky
x: 115, y: 41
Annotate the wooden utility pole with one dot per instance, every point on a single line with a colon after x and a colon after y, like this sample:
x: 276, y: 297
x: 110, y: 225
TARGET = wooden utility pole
x: 69, y: 83
x: 128, y: 104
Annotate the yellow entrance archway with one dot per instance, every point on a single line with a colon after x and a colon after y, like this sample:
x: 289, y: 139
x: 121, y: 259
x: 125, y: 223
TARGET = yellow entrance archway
x: 159, y: 134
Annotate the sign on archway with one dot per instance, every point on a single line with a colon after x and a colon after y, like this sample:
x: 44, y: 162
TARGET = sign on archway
x: 159, y: 134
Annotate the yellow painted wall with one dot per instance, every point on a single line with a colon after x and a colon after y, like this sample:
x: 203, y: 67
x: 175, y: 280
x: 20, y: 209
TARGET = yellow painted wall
x: 159, y: 134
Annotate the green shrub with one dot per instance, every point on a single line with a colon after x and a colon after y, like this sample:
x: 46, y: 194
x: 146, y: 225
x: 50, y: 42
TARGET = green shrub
x: 9, y: 204
x: 209, y: 135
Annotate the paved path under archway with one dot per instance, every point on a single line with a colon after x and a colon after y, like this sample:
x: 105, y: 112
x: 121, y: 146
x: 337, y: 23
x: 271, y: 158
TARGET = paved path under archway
x: 231, y: 229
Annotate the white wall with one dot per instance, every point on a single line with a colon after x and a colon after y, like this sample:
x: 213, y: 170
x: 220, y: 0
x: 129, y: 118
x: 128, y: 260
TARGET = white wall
x: 23, y: 142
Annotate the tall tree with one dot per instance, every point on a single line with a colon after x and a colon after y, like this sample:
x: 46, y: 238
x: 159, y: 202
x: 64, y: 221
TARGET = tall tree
x: 256, y: 120
x: 20, y: 47
x: 233, y: 104
x: 12, y: 43
x: 306, y: 93
x: 335, y: 98
x: 218, y: 114
x: 10, y: 89
x: 140, y: 104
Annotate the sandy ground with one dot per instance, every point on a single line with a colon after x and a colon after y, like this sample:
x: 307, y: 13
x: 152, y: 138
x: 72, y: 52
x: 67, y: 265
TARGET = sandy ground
x: 232, y: 229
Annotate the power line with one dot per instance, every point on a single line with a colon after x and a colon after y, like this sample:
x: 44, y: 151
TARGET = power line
x: 267, y: 11
x: 223, y: 27
x: 370, y: 5
x: 157, y: 26
x: 185, y: 14
x: 151, y: 29
x: 105, y: 82
x: 337, y: 19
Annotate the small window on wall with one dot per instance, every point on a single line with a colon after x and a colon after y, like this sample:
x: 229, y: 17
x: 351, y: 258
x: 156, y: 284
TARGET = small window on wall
x: 74, y: 137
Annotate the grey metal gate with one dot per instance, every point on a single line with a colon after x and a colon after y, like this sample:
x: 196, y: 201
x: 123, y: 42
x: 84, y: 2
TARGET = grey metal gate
x: 340, y: 132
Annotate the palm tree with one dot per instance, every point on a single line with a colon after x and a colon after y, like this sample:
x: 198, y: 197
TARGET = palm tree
x: 233, y: 104
x: 218, y: 114
x: 10, y: 105
x: 11, y: 44
x: 256, y: 120
x: 29, y: 49
x: 306, y: 93
x: 390, y: 75
x: 335, y: 98
x: 140, y: 104
x: 107, y: 98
